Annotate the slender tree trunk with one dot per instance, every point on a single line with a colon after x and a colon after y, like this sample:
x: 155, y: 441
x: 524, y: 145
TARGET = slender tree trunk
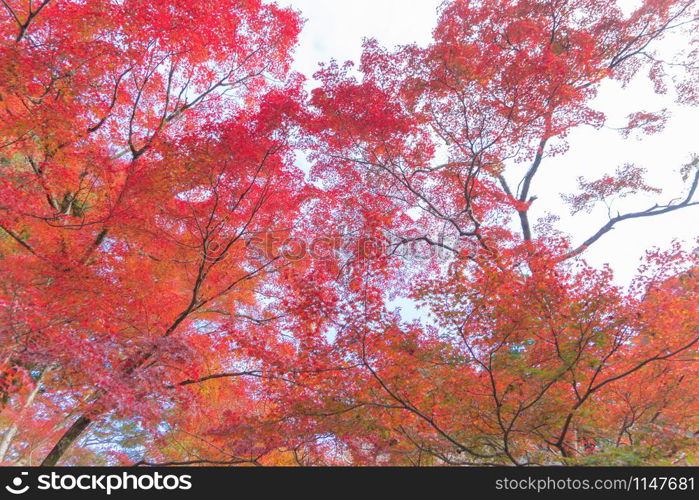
x: 12, y: 430
x: 7, y: 440
x: 66, y: 440
x: 83, y: 422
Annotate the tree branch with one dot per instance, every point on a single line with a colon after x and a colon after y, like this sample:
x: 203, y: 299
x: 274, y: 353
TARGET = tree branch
x: 651, y: 212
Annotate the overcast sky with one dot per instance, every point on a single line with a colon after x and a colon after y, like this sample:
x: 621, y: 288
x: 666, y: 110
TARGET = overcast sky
x: 335, y: 29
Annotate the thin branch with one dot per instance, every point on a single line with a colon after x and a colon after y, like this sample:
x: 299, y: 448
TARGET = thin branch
x: 651, y: 212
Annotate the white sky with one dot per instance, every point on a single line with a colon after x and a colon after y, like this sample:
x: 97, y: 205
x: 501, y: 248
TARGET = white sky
x: 335, y: 29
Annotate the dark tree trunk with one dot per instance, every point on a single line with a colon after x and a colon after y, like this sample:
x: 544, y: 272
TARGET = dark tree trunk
x: 67, y: 439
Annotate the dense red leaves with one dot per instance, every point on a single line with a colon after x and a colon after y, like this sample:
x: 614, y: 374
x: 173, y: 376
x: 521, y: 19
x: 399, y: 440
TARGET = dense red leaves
x: 528, y: 352
x: 175, y: 287
x: 143, y: 151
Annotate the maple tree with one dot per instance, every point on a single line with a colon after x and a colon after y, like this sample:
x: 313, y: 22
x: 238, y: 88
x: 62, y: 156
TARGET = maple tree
x: 176, y: 289
x: 141, y: 155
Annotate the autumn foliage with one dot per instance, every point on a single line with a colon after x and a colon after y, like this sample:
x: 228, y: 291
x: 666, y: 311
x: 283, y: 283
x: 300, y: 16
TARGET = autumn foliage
x: 178, y: 287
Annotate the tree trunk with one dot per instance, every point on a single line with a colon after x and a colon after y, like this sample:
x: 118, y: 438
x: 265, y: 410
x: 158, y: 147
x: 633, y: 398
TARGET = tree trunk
x: 7, y: 440
x: 83, y: 422
x: 12, y: 430
x: 67, y: 439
